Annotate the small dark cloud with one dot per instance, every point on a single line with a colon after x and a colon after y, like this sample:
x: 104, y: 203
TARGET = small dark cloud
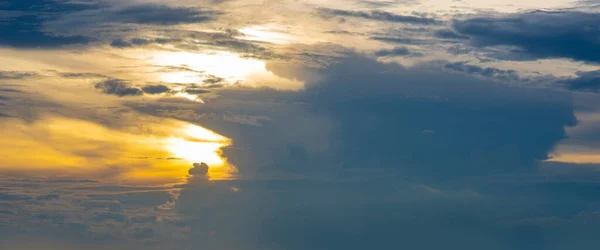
x: 449, y: 34
x: 397, y: 51
x: 196, y: 91
x: 118, y: 87
x: 155, y: 89
x: 380, y: 16
x: 12, y: 75
x: 135, y: 42
x: 199, y: 169
x: 506, y: 75
x: 538, y: 34
x: 82, y: 75
x: 399, y: 40
x: 459, y: 49
x: 211, y: 79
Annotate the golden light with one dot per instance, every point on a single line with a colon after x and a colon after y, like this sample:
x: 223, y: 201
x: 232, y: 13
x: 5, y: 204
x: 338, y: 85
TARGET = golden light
x: 197, y: 144
x: 266, y: 34
x: 163, y: 152
x: 231, y: 67
x: 222, y: 64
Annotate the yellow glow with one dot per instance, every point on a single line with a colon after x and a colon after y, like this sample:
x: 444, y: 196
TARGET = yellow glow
x: 221, y: 64
x: 196, y: 151
x: 581, y: 158
x: 197, y: 144
x: 266, y: 34
x: 56, y: 145
x: 203, y: 134
x: 233, y: 68
x: 190, y: 97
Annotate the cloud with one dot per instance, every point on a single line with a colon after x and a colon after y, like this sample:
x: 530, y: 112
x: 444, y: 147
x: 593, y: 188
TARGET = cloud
x: 199, y: 169
x: 48, y: 197
x: 14, y: 197
x: 583, y: 81
x: 380, y: 16
x: 16, y: 75
x: 71, y: 75
x: 120, y: 43
x: 397, y: 51
x: 118, y: 87
x: 24, y: 23
x: 449, y: 34
x: 156, y: 89
x: 400, y: 40
x: 539, y: 34
x: 160, y: 15
x: 360, y: 113
x: 504, y: 75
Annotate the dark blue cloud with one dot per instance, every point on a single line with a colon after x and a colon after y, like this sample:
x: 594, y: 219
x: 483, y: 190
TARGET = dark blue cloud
x: 539, y: 34
x: 161, y: 15
x: 588, y: 81
x: 381, y: 112
x: 26, y: 32
x: 23, y: 26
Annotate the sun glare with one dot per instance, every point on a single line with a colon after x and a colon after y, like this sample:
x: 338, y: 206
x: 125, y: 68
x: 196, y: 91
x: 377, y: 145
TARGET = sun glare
x: 228, y: 66
x: 197, y: 144
x: 265, y: 34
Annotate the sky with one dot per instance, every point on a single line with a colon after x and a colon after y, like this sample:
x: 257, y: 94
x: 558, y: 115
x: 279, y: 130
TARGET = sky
x: 299, y: 124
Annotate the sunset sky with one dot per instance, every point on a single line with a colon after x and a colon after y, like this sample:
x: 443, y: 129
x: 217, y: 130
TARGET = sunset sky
x: 325, y: 124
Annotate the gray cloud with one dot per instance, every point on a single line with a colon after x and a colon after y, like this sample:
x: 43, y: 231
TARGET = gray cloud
x: 504, y: 75
x: 380, y: 16
x: 15, y: 75
x: 199, y: 169
x: 397, y: 51
x: 118, y: 87
x: 449, y: 34
x: 121, y: 43
x: 156, y: 89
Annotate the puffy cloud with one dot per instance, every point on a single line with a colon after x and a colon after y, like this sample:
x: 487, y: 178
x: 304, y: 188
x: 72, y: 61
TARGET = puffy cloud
x: 199, y: 169
x: 118, y: 87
